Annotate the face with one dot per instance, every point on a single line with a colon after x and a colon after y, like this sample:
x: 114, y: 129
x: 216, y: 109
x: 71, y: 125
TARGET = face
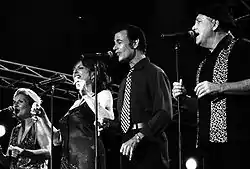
x: 81, y: 76
x: 122, y: 46
x: 22, y: 107
x: 203, y: 27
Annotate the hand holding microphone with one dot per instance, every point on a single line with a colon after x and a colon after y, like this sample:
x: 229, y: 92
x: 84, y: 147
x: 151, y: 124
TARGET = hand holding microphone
x: 8, y: 109
x: 178, y: 89
x: 15, y: 151
x: 80, y: 84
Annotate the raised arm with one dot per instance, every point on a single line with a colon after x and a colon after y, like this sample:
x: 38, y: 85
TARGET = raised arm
x: 44, y: 124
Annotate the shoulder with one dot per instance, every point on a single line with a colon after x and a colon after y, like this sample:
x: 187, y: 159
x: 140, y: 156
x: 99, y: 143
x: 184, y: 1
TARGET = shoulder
x: 156, y: 70
x: 105, y: 94
x: 17, y: 127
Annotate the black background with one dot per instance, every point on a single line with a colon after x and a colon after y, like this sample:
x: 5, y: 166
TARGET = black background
x: 52, y: 34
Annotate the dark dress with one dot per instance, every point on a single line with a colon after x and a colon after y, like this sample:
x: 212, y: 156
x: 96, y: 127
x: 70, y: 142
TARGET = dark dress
x: 29, y: 142
x: 78, y: 151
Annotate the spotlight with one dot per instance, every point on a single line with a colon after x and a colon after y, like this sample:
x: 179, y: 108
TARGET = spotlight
x: 2, y: 130
x: 191, y: 163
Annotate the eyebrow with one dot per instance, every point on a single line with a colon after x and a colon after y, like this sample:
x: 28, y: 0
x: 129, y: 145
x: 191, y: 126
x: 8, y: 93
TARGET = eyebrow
x: 118, y: 40
x: 19, y: 100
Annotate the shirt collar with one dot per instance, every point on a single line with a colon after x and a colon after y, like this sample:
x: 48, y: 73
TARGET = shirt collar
x: 141, y: 63
x: 222, y: 44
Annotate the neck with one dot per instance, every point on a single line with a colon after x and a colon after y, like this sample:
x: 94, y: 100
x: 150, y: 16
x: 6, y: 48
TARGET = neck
x: 26, y: 121
x: 215, y: 40
x: 138, y: 56
x: 87, y: 91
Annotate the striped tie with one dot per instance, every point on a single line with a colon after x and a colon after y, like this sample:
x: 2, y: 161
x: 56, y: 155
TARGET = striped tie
x: 125, y: 113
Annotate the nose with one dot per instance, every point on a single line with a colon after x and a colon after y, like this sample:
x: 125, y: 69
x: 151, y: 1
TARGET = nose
x: 15, y: 105
x: 76, y: 73
x: 194, y: 27
x: 114, y: 48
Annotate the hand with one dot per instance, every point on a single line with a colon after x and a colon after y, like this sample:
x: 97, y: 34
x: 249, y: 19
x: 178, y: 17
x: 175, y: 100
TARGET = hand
x: 205, y: 88
x: 105, y: 123
x: 37, y: 110
x: 15, y: 151
x: 128, y: 147
x: 80, y: 85
x: 1, y: 151
x: 99, y: 128
x: 178, y: 89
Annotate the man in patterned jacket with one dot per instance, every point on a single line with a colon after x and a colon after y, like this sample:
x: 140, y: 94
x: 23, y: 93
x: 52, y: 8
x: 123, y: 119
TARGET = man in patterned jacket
x: 222, y: 90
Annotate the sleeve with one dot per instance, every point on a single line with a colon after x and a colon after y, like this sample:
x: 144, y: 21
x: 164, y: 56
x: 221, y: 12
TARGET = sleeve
x: 162, y: 105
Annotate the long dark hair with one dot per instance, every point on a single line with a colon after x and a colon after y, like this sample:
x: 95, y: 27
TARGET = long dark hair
x: 103, y: 79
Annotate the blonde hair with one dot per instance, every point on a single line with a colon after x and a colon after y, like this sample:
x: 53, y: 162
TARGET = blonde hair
x: 30, y: 93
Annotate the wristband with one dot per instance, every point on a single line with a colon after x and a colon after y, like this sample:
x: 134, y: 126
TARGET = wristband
x: 138, y: 138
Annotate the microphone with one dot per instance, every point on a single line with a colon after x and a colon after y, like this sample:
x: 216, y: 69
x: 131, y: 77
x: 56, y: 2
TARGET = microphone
x: 58, y: 79
x: 8, y: 109
x: 189, y: 33
x: 98, y: 56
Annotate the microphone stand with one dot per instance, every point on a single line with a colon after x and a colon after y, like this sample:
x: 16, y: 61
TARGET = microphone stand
x: 177, y: 37
x: 177, y: 46
x: 51, y: 120
x: 96, y: 117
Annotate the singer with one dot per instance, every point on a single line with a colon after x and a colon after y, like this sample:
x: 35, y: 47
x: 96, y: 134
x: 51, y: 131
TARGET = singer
x: 144, y: 104
x: 221, y: 94
x: 77, y: 125
x: 29, y: 145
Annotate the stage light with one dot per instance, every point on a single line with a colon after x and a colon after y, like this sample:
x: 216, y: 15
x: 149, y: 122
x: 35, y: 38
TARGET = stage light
x: 191, y: 163
x: 2, y: 130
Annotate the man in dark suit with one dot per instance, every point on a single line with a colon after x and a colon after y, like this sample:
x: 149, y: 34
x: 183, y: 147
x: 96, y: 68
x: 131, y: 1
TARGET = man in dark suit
x: 144, y: 104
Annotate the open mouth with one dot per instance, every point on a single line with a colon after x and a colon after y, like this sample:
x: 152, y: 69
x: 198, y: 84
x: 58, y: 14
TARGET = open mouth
x: 16, y: 111
x: 118, y: 53
x: 196, y: 34
x: 76, y: 79
x: 75, y: 82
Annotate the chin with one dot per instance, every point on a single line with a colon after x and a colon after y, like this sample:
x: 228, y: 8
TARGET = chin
x: 197, y: 40
x: 21, y: 116
x: 124, y: 59
x: 121, y: 59
x: 78, y: 88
